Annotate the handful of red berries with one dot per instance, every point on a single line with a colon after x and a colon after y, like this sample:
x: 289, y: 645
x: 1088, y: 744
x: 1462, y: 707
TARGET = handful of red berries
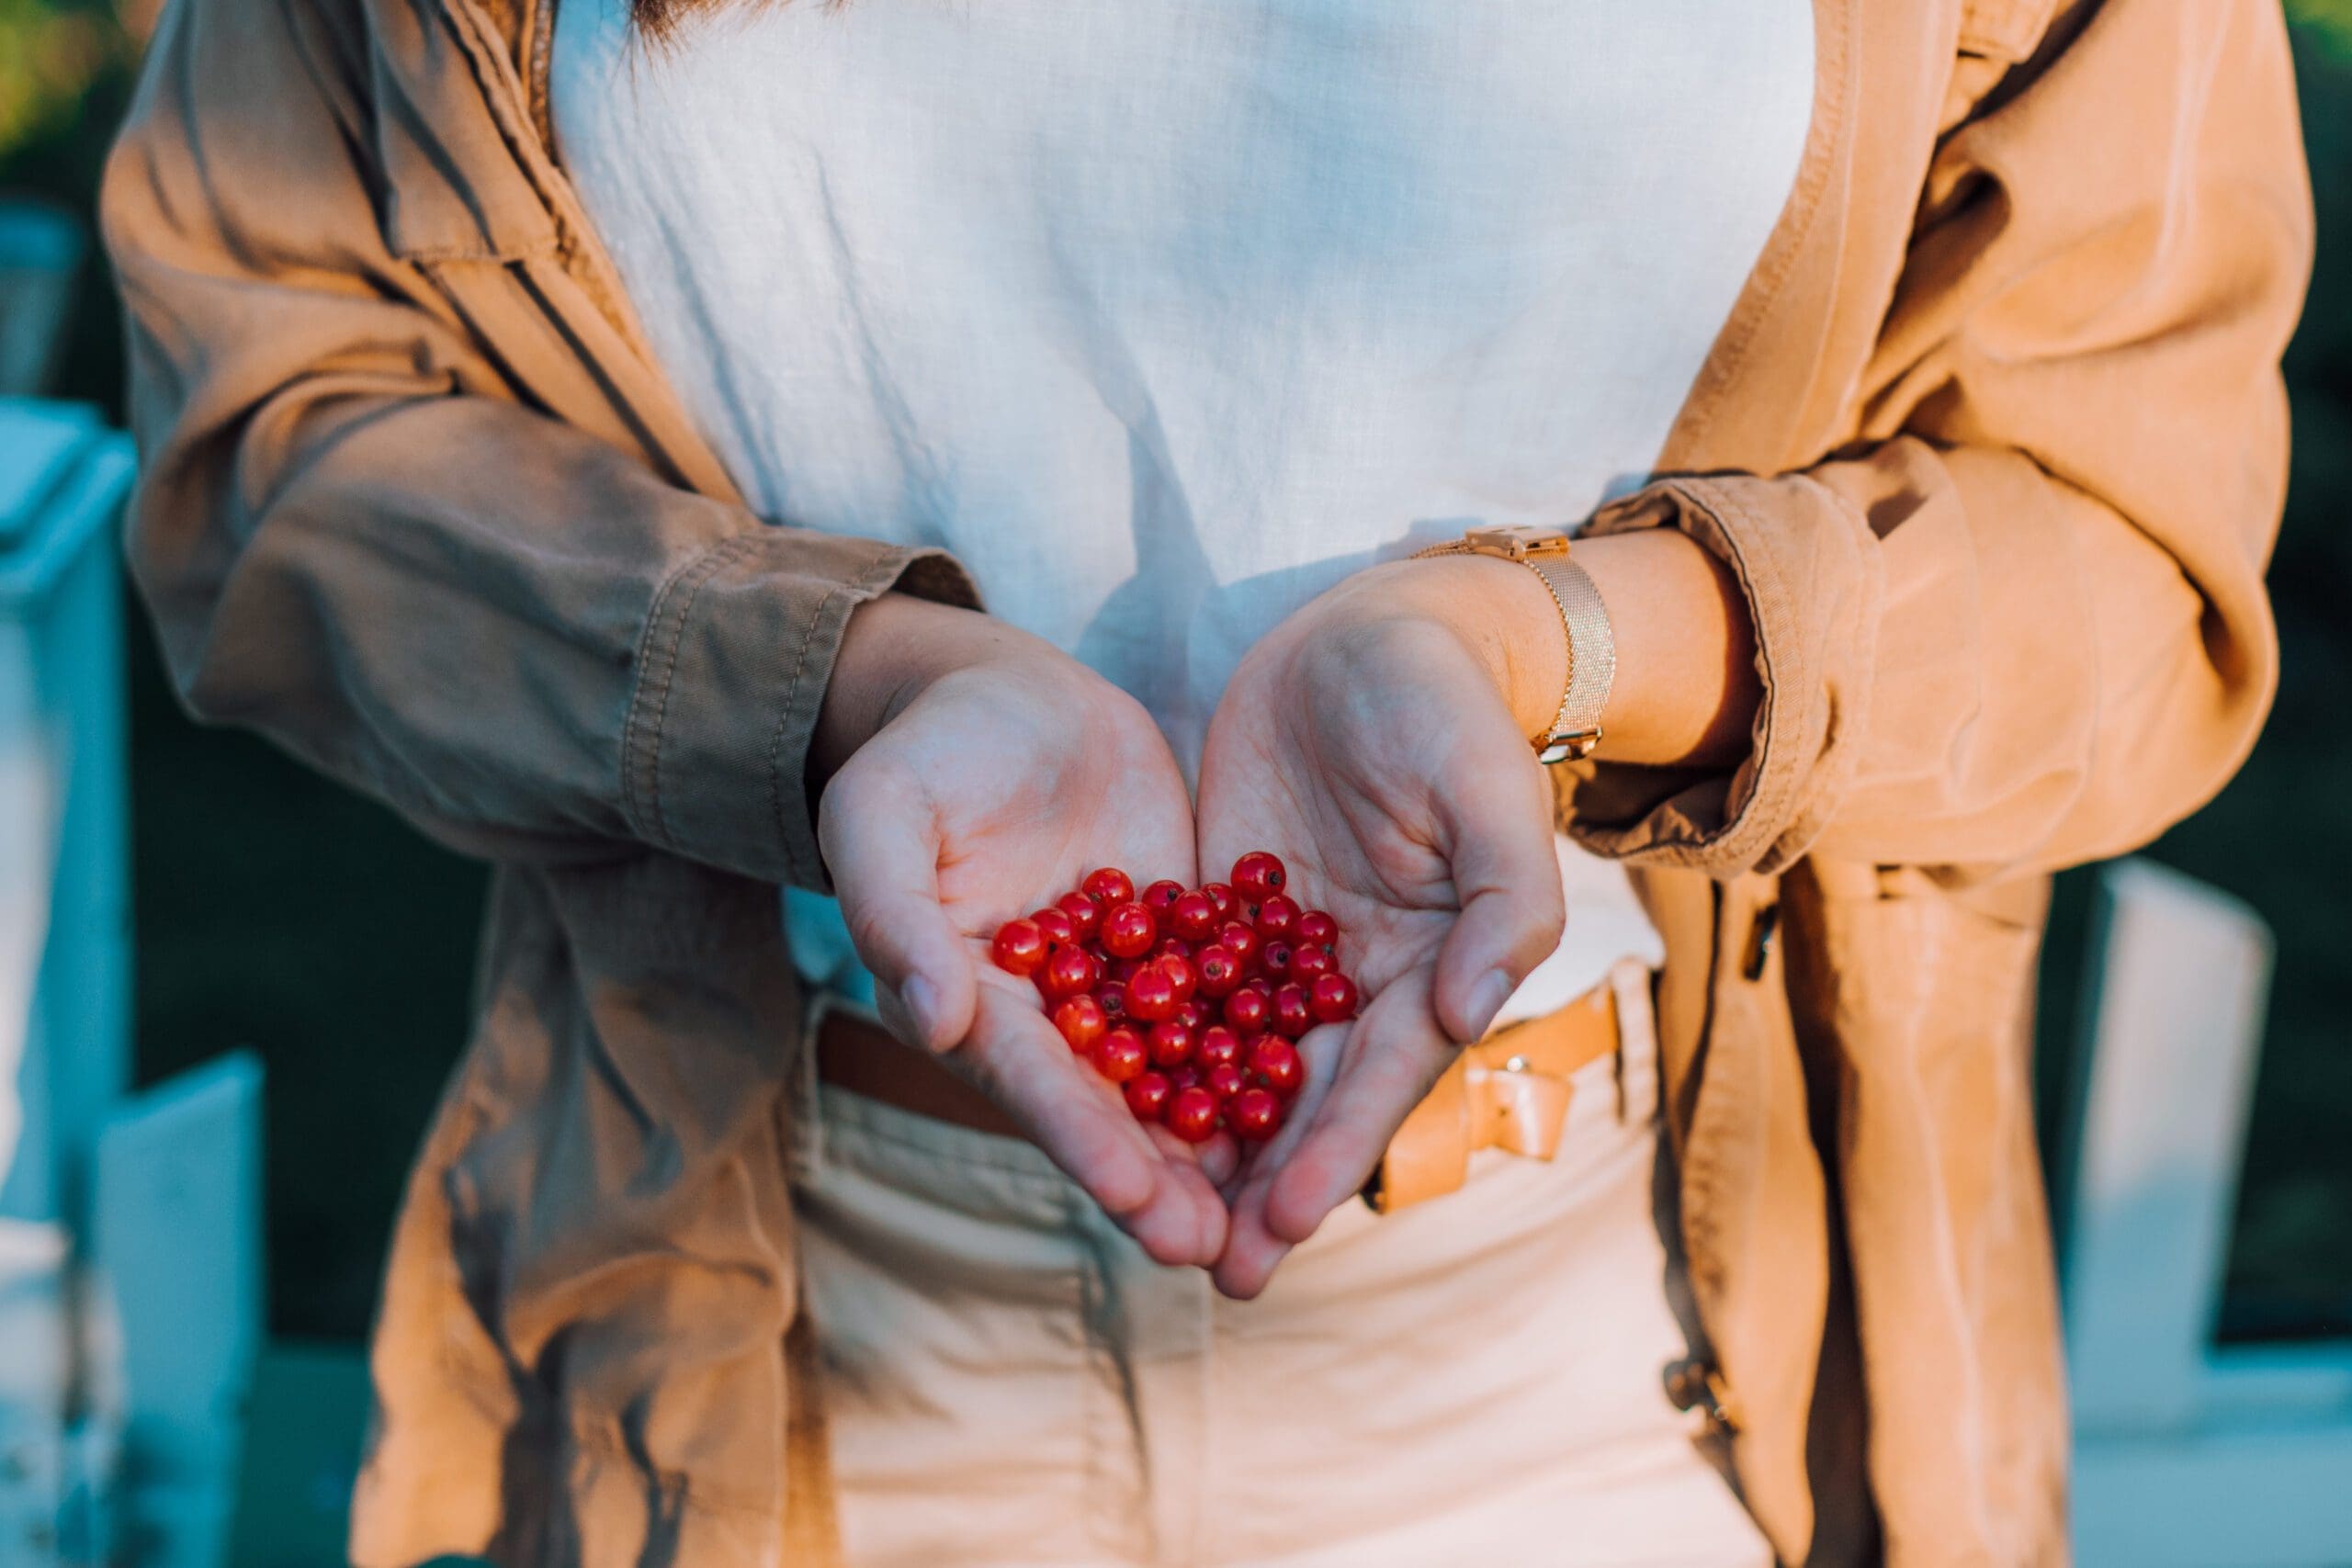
x: 1189, y: 998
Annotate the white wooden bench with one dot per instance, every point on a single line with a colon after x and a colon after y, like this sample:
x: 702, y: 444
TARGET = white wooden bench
x: 2188, y: 1454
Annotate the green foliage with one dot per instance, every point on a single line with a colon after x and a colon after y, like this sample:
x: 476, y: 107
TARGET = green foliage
x: 50, y: 55
x: 2327, y: 23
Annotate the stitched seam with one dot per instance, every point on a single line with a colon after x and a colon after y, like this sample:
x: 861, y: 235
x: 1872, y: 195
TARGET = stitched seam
x: 427, y: 255
x: 485, y: 58
x: 1830, y: 131
x: 631, y: 725
x: 1756, y: 581
x: 1853, y: 623
x: 661, y: 666
x: 801, y: 871
x: 534, y: 85
x: 1732, y: 840
x: 883, y: 569
x: 720, y: 559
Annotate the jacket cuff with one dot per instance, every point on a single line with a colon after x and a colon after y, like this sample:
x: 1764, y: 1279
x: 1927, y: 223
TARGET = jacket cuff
x: 1805, y: 563
x: 731, y: 671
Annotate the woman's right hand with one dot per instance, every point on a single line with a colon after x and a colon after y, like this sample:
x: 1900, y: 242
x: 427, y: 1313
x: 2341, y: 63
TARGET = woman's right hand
x: 973, y: 773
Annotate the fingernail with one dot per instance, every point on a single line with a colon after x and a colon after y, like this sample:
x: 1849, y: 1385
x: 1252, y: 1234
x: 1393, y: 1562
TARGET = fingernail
x: 1487, y: 999
x: 923, y: 1005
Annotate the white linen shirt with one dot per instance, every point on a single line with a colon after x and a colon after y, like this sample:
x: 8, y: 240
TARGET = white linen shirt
x: 1165, y: 316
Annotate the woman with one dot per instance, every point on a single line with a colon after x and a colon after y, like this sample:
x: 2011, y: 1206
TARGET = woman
x: 593, y: 431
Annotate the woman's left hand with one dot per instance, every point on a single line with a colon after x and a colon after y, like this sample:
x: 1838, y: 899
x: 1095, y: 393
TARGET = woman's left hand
x: 1368, y: 740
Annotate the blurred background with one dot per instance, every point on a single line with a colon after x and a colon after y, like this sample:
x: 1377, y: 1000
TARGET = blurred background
x: 272, y: 913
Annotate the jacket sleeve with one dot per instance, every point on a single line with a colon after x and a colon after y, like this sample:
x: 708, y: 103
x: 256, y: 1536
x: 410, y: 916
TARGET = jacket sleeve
x: 354, y: 537
x: 2019, y: 622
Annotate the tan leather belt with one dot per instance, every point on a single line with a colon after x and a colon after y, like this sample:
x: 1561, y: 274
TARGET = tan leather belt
x: 1508, y: 1091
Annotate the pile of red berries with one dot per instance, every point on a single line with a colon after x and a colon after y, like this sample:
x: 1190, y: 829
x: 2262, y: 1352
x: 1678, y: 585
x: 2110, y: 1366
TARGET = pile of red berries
x: 1189, y: 998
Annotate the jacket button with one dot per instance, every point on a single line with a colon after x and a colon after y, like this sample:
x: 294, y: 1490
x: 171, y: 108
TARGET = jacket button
x: 1695, y: 1385
x: 1759, y: 942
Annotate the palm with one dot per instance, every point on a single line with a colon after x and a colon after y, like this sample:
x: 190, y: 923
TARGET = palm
x: 1382, y: 768
x: 1014, y: 834
x: 986, y: 798
x: 1349, y: 848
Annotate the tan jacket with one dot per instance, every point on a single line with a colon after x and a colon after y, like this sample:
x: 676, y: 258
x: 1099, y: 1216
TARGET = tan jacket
x: 1994, y: 439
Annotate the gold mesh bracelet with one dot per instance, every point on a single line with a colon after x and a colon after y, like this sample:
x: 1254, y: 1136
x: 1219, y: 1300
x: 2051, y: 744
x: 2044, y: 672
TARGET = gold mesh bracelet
x: 1592, y: 651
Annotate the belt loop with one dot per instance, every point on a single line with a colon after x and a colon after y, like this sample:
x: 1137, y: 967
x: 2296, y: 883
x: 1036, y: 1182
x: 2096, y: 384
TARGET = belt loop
x: 1766, y: 927
x: 1629, y: 986
x: 803, y: 1100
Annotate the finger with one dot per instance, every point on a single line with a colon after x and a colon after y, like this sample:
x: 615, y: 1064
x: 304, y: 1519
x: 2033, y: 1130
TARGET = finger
x: 1395, y: 1054
x: 1494, y: 825
x: 1191, y: 1179
x: 1218, y: 1158
x: 1252, y: 1252
x: 1021, y: 1063
x: 880, y: 839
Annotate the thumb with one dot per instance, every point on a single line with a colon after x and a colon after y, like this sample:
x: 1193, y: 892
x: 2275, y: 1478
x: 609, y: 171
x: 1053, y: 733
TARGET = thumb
x: 1496, y: 826
x: 880, y: 839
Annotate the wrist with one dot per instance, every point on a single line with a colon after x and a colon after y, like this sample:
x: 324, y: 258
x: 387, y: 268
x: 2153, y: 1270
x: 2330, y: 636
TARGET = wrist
x: 1686, y: 687
x: 894, y: 646
x: 1497, y: 609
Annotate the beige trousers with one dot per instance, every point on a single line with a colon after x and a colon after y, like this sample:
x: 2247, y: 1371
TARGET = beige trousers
x: 1473, y: 1380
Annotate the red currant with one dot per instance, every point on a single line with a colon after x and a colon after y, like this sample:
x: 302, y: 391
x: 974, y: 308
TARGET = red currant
x: 1148, y: 1095
x: 1161, y: 894
x: 1108, y: 887
x: 1273, y: 960
x: 1085, y: 914
x: 1071, y: 970
x: 1151, y: 994
x: 1275, y: 1063
x: 1120, y: 1056
x: 1316, y: 928
x: 1245, y: 1010
x: 1192, y: 1015
x: 1128, y: 930
x: 1218, y: 1047
x: 1180, y: 975
x: 1306, y: 963
x: 1170, y: 1043
x: 1254, y: 1114
x: 1020, y: 947
x: 1276, y: 916
x: 1223, y: 1080
x: 1192, y: 916
x: 1057, y: 925
x: 1112, y: 996
x: 1333, y: 998
x: 1218, y: 971
x: 1240, y: 941
x: 1082, y: 1020
x: 1293, y: 1012
x: 1186, y: 1077
x: 1172, y: 947
x: 1258, y: 874
x: 1191, y: 1114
